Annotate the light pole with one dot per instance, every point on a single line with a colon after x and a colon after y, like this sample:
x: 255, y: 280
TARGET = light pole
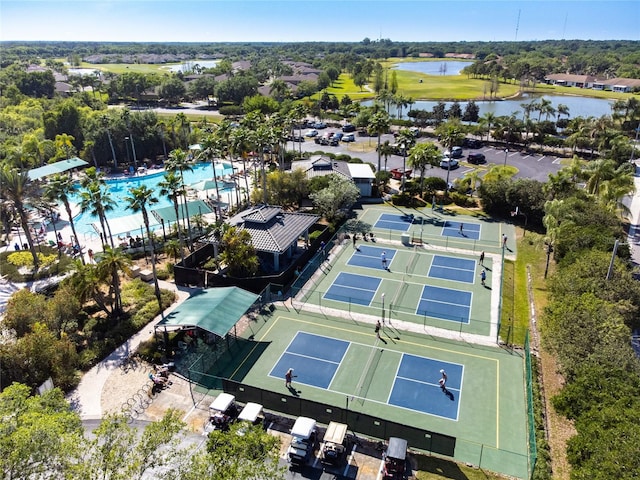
x: 126, y: 147
x: 506, y: 152
x: 404, y: 164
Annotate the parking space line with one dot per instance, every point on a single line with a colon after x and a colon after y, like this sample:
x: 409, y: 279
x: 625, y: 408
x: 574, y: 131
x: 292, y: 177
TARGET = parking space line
x: 557, y: 161
x: 542, y: 157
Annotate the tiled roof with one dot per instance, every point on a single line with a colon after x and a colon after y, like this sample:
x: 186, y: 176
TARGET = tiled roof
x: 271, y: 229
x: 320, y: 165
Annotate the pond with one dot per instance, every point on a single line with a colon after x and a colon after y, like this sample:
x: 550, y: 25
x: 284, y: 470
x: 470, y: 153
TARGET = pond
x: 188, y: 66
x: 578, y: 106
x: 444, y: 67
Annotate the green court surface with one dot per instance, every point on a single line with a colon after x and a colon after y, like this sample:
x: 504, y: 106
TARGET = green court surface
x: 488, y: 420
x: 428, y: 288
x: 428, y: 225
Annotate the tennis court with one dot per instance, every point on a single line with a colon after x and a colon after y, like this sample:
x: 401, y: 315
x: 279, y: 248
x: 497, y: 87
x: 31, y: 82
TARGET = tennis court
x: 394, y: 222
x: 349, y: 287
x: 316, y: 360
x: 342, y: 367
x: 371, y: 257
x: 452, y: 268
x: 445, y: 303
x: 461, y: 229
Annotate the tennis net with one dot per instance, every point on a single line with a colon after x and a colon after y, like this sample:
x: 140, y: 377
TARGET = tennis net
x: 367, y: 375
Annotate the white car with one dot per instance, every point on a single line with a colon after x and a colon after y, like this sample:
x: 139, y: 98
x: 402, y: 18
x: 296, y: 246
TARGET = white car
x: 311, y: 133
x: 449, y: 163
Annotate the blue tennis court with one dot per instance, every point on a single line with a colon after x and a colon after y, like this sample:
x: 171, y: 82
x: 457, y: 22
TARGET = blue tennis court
x: 469, y: 230
x: 370, y: 257
x: 390, y: 221
x: 353, y: 288
x: 445, y: 303
x: 416, y: 386
x: 314, y: 359
x: 451, y: 268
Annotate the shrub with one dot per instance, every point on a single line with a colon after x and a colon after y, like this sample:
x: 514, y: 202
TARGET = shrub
x: 314, y: 235
x: 463, y: 200
x: 24, y: 258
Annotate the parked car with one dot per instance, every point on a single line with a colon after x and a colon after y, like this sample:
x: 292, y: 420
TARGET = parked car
x: 472, y: 143
x: 395, y: 458
x: 334, y: 443
x: 398, y: 173
x: 303, y: 435
x: 297, y: 138
x: 449, y: 163
x: 311, y: 133
x: 319, y: 125
x: 415, y: 131
x: 348, y: 128
x: 456, y: 152
x: 349, y: 137
x: 336, y: 138
x: 476, y: 158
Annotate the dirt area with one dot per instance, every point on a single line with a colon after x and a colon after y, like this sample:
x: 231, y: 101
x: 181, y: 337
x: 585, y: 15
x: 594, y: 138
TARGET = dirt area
x: 560, y: 429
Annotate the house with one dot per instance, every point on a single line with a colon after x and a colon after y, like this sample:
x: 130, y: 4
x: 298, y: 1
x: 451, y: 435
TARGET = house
x: 274, y: 232
x: 570, y: 80
x: 361, y: 174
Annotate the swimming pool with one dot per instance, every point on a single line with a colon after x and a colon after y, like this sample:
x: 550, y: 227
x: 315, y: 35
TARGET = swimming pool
x: 119, y: 190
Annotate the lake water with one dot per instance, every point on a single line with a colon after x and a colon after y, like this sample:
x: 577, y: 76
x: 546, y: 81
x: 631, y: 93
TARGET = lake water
x: 578, y: 106
x: 82, y: 71
x: 445, y: 67
x: 188, y: 66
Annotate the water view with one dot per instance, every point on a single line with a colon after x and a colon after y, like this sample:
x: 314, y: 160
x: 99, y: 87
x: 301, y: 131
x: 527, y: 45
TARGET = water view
x: 189, y: 66
x: 445, y: 67
x: 578, y: 106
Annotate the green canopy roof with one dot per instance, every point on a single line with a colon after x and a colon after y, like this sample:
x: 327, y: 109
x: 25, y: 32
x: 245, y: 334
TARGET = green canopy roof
x: 168, y: 214
x: 57, y: 167
x: 215, y: 310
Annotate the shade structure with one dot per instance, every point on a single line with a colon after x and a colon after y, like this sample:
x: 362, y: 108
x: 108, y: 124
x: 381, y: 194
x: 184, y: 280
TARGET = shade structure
x: 195, y: 146
x: 195, y: 207
x: 215, y: 310
x: 128, y: 224
x: 206, y: 185
x: 57, y: 167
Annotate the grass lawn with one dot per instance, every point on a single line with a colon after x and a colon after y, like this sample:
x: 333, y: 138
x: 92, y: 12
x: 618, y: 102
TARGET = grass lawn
x: 432, y: 468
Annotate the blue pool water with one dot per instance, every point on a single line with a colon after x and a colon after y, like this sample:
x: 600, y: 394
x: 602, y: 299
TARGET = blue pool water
x: 119, y: 190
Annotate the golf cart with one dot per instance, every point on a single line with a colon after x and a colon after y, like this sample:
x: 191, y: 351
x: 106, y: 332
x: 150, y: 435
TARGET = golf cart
x: 333, y: 448
x: 303, y: 436
x: 395, y: 458
x: 251, y: 414
x: 222, y: 412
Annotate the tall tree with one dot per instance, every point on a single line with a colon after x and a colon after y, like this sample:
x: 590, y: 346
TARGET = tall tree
x: 172, y: 187
x: 178, y: 162
x: 139, y: 200
x: 379, y: 124
x: 18, y: 189
x: 96, y: 199
x: 60, y: 188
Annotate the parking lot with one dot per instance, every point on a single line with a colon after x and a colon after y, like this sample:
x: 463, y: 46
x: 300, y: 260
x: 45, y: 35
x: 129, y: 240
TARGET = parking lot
x: 529, y: 165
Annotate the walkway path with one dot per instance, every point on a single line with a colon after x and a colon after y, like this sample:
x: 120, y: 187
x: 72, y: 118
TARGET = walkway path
x: 86, y: 398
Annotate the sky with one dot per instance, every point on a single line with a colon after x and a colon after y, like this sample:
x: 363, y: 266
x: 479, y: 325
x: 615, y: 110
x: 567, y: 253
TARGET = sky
x: 320, y: 20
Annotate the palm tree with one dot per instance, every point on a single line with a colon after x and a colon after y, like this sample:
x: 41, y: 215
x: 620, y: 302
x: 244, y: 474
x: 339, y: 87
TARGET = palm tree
x: 379, y: 124
x: 543, y: 108
x: 597, y: 172
x: 112, y: 262
x: 96, y: 199
x: 406, y: 140
x: 386, y: 150
x: 172, y: 187
x: 104, y: 119
x: 142, y: 197
x: 17, y: 187
x: 60, y: 188
x: 421, y: 156
x: 126, y: 116
x: 279, y: 90
x: 487, y: 121
x: 212, y: 146
x: 179, y: 162
x: 562, y: 109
